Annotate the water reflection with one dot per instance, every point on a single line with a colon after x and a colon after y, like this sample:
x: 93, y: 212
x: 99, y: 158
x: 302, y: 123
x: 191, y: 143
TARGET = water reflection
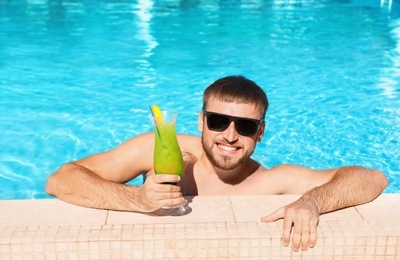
x: 387, y: 3
x: 390, y: 76
x: 144, y: 33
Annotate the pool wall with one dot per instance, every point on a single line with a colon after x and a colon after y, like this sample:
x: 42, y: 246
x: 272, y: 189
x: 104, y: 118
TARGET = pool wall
x: 218, y: 227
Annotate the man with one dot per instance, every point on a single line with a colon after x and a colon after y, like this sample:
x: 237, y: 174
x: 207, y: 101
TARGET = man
x: 217, y: 163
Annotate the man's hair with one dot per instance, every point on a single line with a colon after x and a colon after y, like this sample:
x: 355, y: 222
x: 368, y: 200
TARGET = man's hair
x: 236, y: 89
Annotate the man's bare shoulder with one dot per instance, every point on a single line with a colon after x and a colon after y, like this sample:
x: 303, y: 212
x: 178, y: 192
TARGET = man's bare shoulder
x: 284, y: 168
x: 263, y: 181
x: 279, y: 170
x: 292, y: 178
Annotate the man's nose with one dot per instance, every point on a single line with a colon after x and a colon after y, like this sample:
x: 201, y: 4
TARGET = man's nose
x: 230, y: 133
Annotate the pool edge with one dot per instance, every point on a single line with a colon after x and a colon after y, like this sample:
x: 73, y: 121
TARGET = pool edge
x: 218, y: 227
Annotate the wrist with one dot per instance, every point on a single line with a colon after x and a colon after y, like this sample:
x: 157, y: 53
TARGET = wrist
x: 132, y: 200
x: 311, y: 201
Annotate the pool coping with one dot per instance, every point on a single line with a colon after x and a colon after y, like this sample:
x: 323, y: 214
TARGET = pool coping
x: 217, y: 227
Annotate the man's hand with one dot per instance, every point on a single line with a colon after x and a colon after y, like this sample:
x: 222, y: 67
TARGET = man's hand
x: 154, y: 194
x: 303, y: 215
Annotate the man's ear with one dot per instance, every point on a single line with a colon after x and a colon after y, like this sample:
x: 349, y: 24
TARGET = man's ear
x: 200, y: 121
x: 261, y: 132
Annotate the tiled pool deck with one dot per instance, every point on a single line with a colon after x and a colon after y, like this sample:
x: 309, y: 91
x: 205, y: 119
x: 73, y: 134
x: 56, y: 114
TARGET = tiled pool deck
x: 218, y: 227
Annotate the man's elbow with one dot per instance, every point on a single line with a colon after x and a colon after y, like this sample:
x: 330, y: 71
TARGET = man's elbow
x: 384, y: 180
x: 380, y: 179
x: 51, y: 185
x: 53, y: 182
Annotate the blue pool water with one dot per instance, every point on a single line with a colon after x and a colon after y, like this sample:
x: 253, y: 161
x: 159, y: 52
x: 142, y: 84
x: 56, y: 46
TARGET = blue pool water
x: 76, y: 78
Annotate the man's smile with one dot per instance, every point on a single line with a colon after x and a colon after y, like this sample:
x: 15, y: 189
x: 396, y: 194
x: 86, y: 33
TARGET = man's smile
x: 228, y: 148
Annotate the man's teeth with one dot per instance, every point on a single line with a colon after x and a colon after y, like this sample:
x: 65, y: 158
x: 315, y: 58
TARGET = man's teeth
x: 228, y: 148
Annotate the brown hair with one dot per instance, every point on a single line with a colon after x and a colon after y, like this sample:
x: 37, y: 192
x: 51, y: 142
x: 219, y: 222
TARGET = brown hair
x: 236, y: 89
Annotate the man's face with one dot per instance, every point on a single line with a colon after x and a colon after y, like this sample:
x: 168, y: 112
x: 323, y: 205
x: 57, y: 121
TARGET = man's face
x: 227, y: 150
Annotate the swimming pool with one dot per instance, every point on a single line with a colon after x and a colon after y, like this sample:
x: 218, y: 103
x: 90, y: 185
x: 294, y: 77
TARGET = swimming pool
x: 76, y: 78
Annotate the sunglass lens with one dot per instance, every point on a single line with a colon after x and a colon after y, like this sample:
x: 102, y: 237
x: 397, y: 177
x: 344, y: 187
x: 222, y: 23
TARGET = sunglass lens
x: 218, y: 122
x: 246, y: 127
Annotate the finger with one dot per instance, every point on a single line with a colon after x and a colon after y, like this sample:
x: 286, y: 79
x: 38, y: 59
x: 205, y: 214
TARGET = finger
x: 305, y: 235
x: 174, y: 202
x: 157, y: 200
x: 297, y: 232
x: 156, y: 191
x: 161, y: 178
x: 287, y: 228
x: 274, y: 216
x: 313, y: 235
x: 171, y: 195
x: 167, y: 188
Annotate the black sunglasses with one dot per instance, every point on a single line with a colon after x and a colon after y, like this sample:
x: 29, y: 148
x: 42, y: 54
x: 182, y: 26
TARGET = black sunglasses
x: 220, y: 122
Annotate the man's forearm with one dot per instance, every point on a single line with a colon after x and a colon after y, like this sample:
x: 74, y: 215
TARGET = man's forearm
x: 77, y: 185
x: 350, y: 186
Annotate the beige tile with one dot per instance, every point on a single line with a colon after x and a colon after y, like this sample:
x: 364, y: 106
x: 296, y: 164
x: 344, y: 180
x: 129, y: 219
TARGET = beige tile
x: 201, y: 209
x: 385, y: 207
x: 252, y: 208
x: 218, y: 227
x: 49, y: 212
x: 348, y: 214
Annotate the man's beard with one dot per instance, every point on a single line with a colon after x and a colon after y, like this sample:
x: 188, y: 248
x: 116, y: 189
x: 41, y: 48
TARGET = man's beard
x: 223, y: 162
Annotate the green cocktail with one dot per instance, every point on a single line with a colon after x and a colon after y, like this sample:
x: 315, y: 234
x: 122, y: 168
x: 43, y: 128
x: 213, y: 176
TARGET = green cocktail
x: 167, y: 154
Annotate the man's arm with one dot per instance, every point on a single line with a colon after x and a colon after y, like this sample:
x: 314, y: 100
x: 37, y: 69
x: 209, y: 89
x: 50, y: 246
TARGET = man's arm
x: 348, y: 186
x: 97, y: 181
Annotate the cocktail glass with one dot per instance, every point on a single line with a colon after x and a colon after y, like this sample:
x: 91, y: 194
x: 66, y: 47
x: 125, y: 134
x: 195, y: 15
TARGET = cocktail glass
x: 167, y: 154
